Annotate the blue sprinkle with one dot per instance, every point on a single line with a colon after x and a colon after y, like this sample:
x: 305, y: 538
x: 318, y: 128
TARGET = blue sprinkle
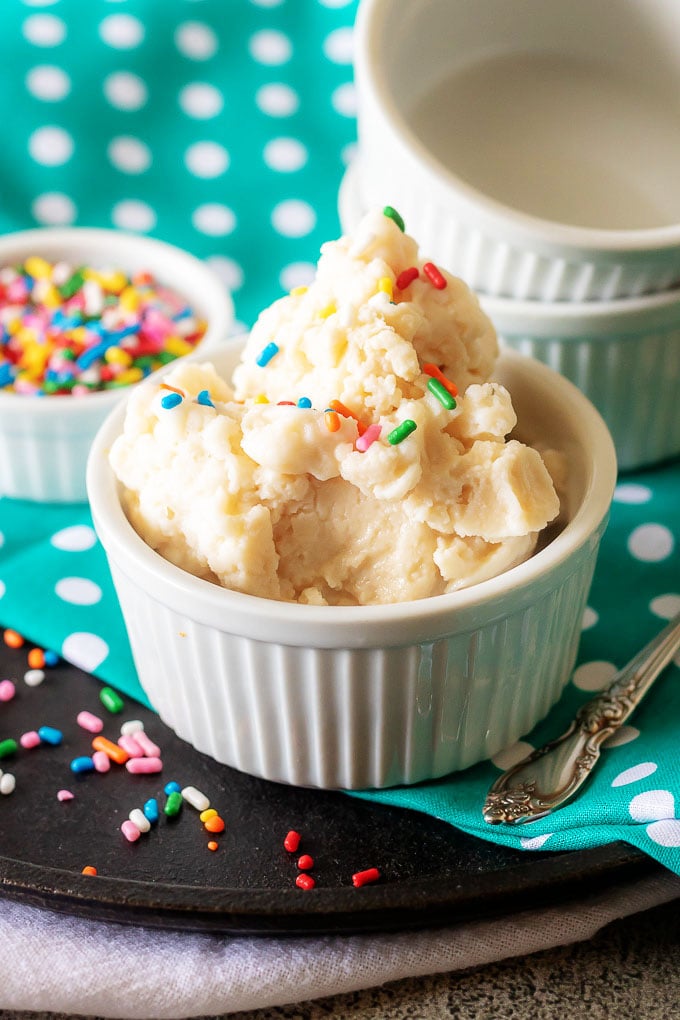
x: 50, y: 735
x: 151, y: 812
x: 304, y: 402
x: 172, y: 787
x: 171, y: 400
x: 83, y: 764
x: 204, y: 398
x: 51, y: 658
x: 266, y: 354
x: 6, y: 373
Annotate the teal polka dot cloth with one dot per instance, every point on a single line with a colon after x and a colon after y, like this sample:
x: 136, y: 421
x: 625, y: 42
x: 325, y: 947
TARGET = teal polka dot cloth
x: 225, y: 126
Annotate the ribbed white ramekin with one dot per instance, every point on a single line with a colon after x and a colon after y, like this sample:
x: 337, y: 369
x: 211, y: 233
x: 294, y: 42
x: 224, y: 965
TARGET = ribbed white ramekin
x: 358, y: 697
x: 402, y: 50
x: 624, y: 355
x: 44, y: 441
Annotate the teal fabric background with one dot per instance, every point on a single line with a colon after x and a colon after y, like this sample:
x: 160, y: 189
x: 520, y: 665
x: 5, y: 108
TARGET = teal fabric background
x: 224, y: 126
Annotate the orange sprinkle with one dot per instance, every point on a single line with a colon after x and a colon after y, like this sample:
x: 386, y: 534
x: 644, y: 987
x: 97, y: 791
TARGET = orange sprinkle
x: 36, y: 658
x: 213, y: 845
x: 173, y: 389
x: 13, y: 639
x: 436, y: 373
x: 89, y: 870
x: 332, y: 421
x: 215, y: 824
x: 113, y: 751
x: 337, y: 405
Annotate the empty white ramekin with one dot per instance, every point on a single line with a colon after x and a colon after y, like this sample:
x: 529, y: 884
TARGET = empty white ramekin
x: 625, y: 56
x: 358, y: 697
x: 624, y: 355
x: 44, y: 441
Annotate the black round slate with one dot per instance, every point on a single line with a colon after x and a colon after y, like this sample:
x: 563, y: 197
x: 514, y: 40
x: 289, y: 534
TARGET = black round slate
x: 430, y: 873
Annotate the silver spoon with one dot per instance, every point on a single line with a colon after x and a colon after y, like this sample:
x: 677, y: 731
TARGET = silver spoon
x: 551, y: 775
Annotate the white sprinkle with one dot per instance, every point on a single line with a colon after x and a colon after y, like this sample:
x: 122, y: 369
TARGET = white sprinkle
x: 194, y: 797
x: 131, y: 726
x: 34, y: 677
x: 138, y: 818
x: 7, y: 783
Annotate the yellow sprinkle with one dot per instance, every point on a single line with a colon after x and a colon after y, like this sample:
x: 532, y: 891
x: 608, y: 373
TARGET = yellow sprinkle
x: 328, y: 310
x: 51, y: 297
x: 38, y: 268
x: 131, y: 375
x: 261, y: 399
x: 34, y: 359
x: 114, y: 282
x: 208, y: 813
x: 13, y: 326
x: 130, y: 299
x: 385, y: 285
x: 79, y: 334
x: 177, y: 346
x: 117, y: 356
x: 298, y: 291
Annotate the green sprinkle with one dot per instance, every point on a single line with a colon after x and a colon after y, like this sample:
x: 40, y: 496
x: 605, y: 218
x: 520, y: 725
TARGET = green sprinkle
x: 111, y: 700
x: 72, y: 285
x: 392, y: 214
x: 8, y: 747
x: 441, y: 393
x: 399, y: 434
x: 173, y: 804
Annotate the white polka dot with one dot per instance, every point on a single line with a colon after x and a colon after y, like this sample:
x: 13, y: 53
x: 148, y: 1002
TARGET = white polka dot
x: 534, y: 842
x: 344, y: 100
x: 650, y: 543
x: 3, y: 589
x: 2, y: 539
x: 635, y: 773
x: 77, y: 538
x: 196, y: 40
x: 229, y: 272
x: 214, y: 219
x: 122, y: 31
x: 593, y: 676
x: 339, y: 46
x: 48, y: 83
x: 665, y: 832
x: 277, y: 100
x: 131, y: 214
x: 589, y: 618
x: 53, y: 209
x: 509, y: 756
x: 206, y: 159
x: 631, y: 492
x: 50, y: 146
x: 44, y: 30
x: 297, y: 274
x: 79, y: 591
x: 130, y: 155
x: 125, y: 90
x: 201, y: 100
x: 335, y: 3
x: 665, y: 606
x: 293, y: 218
x: 267, y: 3
x: 270, y: 47
x: 40, y: 3
x: 348, y: 152
x: 624, y: 735
x: 285, y: 154
x: 652, y: 806
x: 85, y: 650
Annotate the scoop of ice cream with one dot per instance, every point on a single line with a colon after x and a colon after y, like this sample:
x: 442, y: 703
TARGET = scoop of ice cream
x: 340, y: 468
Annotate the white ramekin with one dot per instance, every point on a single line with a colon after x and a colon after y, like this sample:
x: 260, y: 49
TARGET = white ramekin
x: 404, y: 50
x: 358, y: 697
x: 624, y: 355
x: 44, y: 441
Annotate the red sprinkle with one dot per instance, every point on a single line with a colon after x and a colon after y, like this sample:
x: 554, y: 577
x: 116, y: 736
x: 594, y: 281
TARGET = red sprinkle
x: 305, y: 882
x: 365, y: 877
x: 437, y: 374
x: 212, y: 845
x: 89, y: 870
x: 305, y: 862
x: 434, y: 276
x: 406, y: 277
x: 292, y: 841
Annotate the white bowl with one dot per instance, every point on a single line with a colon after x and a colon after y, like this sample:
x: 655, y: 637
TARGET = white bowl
x: 624, y: 355
x: 44, y: 441
x: 531, y: 147
x: 357, y: 697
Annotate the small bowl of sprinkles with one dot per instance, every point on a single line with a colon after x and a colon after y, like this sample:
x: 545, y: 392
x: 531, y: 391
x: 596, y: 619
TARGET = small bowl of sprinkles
x: 84, y: 315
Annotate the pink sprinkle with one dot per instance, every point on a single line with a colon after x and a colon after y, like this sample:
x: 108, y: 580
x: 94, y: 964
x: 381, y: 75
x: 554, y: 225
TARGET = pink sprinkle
x: 147, y: 745
x: 130, y: 831
x: 102, y: 762
x: 131, y: 745
x: 91, y: 723
x: 64, y: 795
x: 7, y: 690
x: 369, y: 437
x: 30, y: 739
x: 144, y: 766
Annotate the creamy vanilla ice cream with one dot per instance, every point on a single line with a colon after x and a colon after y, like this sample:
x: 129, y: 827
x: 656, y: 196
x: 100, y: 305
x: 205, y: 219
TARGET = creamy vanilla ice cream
x: 337, y: 466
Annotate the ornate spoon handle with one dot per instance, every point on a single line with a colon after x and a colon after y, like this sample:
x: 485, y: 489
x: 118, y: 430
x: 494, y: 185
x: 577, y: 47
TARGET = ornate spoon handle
x: 551, y: 775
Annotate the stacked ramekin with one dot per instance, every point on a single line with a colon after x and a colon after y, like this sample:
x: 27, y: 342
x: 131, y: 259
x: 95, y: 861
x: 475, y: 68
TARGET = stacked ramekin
x: 532, y: 149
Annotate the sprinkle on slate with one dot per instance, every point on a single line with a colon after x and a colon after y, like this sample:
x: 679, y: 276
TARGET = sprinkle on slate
x: 111, y: 700
x: 392, y: 214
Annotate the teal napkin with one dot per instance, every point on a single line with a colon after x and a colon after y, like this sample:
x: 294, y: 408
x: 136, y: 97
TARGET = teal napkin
x: 224, y: 126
